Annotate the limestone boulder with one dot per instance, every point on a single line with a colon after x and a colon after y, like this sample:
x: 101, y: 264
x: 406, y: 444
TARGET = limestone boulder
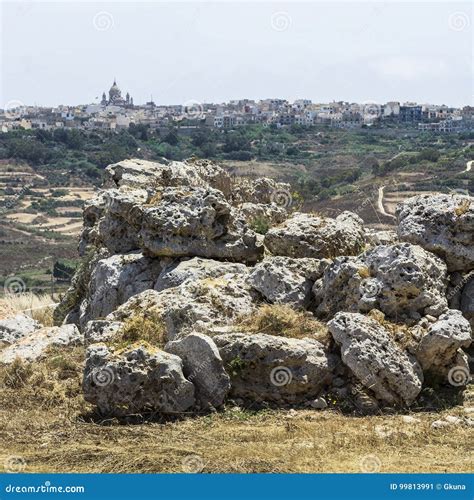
x: 203, y: 366
x: 442, y: 224
x: 439, y: 347
x: 285, y: 280
x: 34, y: 346
x: 275, y: 369
x: 179, y: 271
x: 17, y: 327
x: 467, y: 299
x: 114, y: 280
x: 262, y: 191
x: 196, y: 222
x: 403, y: 281
x: 195, y: 306
x: 139, y: 379
x: 372, y: 355
x: 100, y: 330
x: 375, y: 238
x: 307, y: 235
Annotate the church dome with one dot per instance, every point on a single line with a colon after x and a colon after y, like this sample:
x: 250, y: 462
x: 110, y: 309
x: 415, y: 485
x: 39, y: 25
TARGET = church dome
x: 114, y: 92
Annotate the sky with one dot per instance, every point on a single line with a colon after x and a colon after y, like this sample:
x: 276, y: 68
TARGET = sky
x: 68, y: 52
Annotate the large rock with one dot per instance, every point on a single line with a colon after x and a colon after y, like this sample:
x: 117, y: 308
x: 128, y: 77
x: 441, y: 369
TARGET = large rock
x: 467, y: 300
x: 403, y: 281
x: 284, y: 280
x: 101, y: 330
x: 137, y: 380
x: 17, y: 327
x: 263, y: 215
x: 262, y: 191
x: 178, y: 272
x: 114, y: 280
x: 203, y: 366
x: 145, y: 174
x: 440, y: 223
x: 196, y: 305
x: 438, y: 348
x: 34, y: 345
x: 197, y: 222
x: 275, y: 369
x: 370, y: 352
x: 306, y: 235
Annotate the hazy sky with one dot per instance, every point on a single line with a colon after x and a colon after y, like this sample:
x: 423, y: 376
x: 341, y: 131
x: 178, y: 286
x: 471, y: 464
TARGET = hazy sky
x: 68, y: 52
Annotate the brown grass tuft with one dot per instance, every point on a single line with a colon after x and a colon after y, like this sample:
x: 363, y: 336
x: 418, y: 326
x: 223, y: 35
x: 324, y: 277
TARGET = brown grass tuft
x: 38, y: 307
x: 284, y: 321
x: 147, y: 327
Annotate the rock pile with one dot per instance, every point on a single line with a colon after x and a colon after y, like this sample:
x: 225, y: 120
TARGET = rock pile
x: 174, y: 259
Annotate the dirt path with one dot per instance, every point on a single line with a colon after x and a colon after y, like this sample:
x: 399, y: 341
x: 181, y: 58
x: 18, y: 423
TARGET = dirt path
x: 469, y: 166
x: 380, y: 206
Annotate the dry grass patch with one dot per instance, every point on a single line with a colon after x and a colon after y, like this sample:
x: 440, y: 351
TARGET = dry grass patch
x: 284, y: 321
x: 39, y: 307
x: 147, y: 327
x: 45, y: 421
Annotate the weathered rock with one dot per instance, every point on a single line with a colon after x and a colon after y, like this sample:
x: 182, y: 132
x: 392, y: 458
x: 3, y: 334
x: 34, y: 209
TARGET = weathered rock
x: 306, y: 235
x: 17, y: 327
x: 284, y: 280
x: 442, y: 224
x: 196, y: 222
x: 203, y: 366
x: 136, y: 380
x: 34, y: 345
x: 439, y: 347
x: 100, y: 331
x: 403, y: 281
x: 262, y: 191
x: 195, y: 305
x: 114, y: 280
x: 260, y: 213
x: 467, y: 300
x: 275, y: 369
x: 177, y: 273
x: 375, y: 359
x: 375, y: 238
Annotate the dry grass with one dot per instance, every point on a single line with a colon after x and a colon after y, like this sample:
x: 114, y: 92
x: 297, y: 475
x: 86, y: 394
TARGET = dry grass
x: 39, y: 307
x: 44, y: 420
x: 284, y: 321
x: 147, y: 327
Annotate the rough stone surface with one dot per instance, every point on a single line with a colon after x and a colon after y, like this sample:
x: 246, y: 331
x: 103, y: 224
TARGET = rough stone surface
x: 275, y: 369
x: 442, y: 224
x: 306, y: 235
x: 196, y: 305
x: 254, y: 213
x: 467, y: 300
x: 34, y: 345
x: 137, y: 380
x: 203, y: 366
x: 439, y: 347
x: 284, y: 280
x: 403, y: 281
x: 114, y: 280
x: 197, y: 222
x: 177, y: 273
x: 98, y: 330
x: 262, y: 190
x: 17, y: 327
x: 375, y: 238
x: 375, y: 359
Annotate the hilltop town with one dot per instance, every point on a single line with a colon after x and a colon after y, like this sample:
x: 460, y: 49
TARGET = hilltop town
x: 115, y: 112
